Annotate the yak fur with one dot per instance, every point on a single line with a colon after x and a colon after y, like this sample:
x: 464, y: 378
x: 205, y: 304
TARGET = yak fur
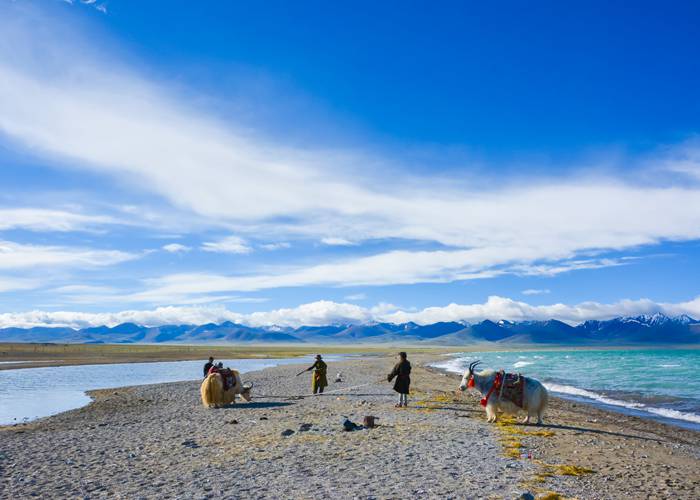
x: 213, y: 394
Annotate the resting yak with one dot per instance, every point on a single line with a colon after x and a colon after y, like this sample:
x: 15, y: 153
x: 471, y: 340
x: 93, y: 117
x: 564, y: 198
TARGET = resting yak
x: 215, y: 396
x: 507, y: 393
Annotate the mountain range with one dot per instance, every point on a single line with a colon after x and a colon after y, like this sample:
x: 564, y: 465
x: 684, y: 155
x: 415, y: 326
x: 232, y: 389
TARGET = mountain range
x: 638, y: 330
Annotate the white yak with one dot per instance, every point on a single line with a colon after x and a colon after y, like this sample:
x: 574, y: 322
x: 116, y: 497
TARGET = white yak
x: 534, y: 394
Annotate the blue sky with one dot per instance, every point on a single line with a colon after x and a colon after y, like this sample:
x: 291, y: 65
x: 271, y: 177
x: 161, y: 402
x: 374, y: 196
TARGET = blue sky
x: 286, y: 163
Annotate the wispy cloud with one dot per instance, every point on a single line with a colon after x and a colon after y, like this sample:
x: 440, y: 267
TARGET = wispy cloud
x: 176, y: 248
x: 10, y: 283
x: 230, y: 244
x: 336, y: 241
x: 15, y: 256
x: 275, y: 246
x: 327, y: 312
x: 356, y: 296
x: 41, y: 219
x: 536, y: 291
x: 390, y: 268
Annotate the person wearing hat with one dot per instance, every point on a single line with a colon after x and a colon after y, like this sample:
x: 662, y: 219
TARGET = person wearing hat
x: 402, y: 372
x: 208, y: 366
x: 318, y: 380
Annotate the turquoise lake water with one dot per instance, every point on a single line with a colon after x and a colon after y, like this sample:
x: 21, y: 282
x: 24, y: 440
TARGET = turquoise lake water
x: 660, y: 384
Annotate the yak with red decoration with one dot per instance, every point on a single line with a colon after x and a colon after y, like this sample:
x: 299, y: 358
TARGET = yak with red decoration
x: 506, y: 393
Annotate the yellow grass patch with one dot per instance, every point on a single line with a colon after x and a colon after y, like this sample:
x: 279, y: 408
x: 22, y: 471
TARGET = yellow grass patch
x: 550, y: 495
x: 443, y: 398
x: 511, y: 447
x: 539, y: 433
x: 573, y: 470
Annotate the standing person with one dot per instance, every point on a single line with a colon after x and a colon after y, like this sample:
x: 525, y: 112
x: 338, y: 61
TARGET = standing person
x: 402, y: 372
x: 208, y: 366
x: 318, y: 380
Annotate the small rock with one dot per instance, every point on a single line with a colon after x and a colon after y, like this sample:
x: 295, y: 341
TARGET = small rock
x: 263, y: 418
x: 304, y: 427
x: 234, y: 421
x: 349, y: 425
x: 287, y: 432
x: 526, y: 496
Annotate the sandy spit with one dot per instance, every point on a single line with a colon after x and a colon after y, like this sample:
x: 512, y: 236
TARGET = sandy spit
x: 159, y: 441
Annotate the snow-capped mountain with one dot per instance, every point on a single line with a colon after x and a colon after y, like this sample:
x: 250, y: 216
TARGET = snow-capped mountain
x: 638, y: 330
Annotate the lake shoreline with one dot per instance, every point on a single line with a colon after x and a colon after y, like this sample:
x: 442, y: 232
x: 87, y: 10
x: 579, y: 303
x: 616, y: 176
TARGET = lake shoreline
x: 158, y: 440
x: 35, y: 355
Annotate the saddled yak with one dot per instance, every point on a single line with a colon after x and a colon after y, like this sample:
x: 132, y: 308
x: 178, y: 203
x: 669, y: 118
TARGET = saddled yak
x: 214, y: 395
x: 532, y: 399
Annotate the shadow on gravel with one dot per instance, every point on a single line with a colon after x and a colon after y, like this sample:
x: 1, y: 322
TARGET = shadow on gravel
x: 356, y: 395
x: 592, y: 431
x: 254, y: 404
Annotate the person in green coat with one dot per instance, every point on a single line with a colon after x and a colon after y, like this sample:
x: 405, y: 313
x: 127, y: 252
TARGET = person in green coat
x: 402, y: 372
x: 318, y: 380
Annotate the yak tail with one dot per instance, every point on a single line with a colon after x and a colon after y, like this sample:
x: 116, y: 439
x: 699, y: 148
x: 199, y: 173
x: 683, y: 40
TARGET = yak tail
x: 207, y: 391
x: 545, y: 398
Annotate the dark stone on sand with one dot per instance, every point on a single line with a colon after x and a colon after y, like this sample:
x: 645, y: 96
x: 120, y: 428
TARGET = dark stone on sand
x: 305, y: 427
x: 287, y: 432
x: 526, y: 496
x: 349, y: 425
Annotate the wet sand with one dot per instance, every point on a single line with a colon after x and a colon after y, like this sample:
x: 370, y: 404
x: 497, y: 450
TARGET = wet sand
x: 159, y: 441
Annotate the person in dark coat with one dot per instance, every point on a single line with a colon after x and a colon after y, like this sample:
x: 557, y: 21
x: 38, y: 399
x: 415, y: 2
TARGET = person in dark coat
x: 208, y: 366
x: 402, y: 372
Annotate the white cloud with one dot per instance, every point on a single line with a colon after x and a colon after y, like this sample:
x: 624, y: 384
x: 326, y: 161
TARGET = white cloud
x: 496, y: 308
x: 275, y: 246
x: 176, y: 248
x: 336, y: 241
x: 325, y: 312
x: 536, y: 291
x: 16, y: 255
x: 397, y: 267
x: 230, y: 244
x: 9, y: 284
x: 356, y: 296
x: 41, y: 219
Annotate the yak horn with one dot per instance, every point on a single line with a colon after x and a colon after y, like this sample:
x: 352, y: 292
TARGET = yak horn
x: 473, y: 365
x: 248, y: 385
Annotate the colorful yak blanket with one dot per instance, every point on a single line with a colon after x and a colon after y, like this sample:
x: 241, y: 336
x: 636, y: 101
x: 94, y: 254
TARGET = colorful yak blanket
x: 513, y: 388
x: 228, y: 376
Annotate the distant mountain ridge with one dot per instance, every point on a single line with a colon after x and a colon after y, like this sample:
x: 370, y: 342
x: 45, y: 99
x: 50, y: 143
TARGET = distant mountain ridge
x: 645, y: 329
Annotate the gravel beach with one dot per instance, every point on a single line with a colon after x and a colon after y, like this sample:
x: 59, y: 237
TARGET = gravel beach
x: 159, y: 441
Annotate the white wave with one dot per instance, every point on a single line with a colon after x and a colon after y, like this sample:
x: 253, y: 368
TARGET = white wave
x: 669, y: 366
x: 663, y: 412
x: 520, y: 364
x: 454, y: 366
x: 678, y: 415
